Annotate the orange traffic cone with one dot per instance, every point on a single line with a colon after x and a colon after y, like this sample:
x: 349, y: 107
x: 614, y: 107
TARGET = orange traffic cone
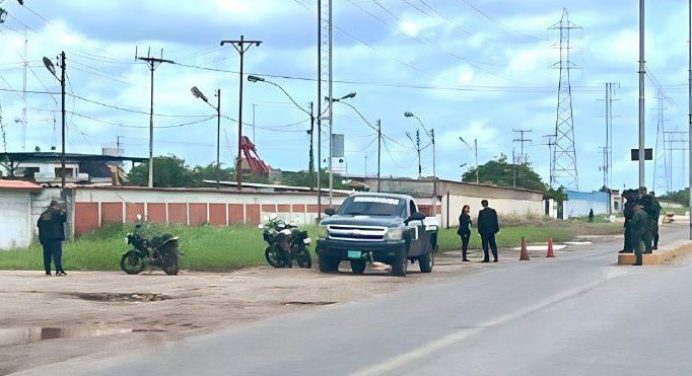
x: 524, y: 256
x: 550, y: 248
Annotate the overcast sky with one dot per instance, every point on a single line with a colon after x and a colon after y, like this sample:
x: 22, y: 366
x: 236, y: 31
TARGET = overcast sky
x: 471, y: 68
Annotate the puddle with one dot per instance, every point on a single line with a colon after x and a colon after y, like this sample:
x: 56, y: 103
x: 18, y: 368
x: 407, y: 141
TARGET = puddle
x: 117, y: 297
x: 307, y: 303
x: 23, y: 336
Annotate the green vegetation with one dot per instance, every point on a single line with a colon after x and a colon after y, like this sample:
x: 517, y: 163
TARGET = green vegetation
x: 209, y: 248
x: 681, y: 197
x: 171, y: 171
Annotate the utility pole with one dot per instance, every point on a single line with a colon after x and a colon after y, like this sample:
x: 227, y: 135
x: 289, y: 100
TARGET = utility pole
x: 434, y: 198
x: 218, y: 138
x: 689, y: 117
x: 365, y: 169
x: 242, y: 46
x: 642, y: 94
x: 63, y: 67
x: 311, y: 164
x: 514, y: 165
x: 475, y: 149
x: 522, y: 157
x: 416, y: 144
x: 152, y: 63
x: 550, y: 143
x: 26, y: 67
x: 379, y: 153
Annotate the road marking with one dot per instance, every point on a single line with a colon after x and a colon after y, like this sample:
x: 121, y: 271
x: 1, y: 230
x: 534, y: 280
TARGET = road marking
x: 401, y: 360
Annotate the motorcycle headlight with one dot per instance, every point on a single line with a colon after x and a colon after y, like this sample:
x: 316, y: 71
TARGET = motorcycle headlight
x: 394, y: 233
x: 323, y: 232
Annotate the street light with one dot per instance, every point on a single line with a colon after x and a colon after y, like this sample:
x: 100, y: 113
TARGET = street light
x: 430, y: 134
x: 475, y: 150
x: 253, y: 78
x: 51, y: 68
x: 198, y: 94
x: 377, y: 128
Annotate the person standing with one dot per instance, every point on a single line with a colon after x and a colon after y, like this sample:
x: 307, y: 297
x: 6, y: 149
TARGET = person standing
x: 632, y: 197
x: 464, y: 231
x: 51, y: 234
x: 654, y: 215
x: 488, y: 226
x: 638, y: 227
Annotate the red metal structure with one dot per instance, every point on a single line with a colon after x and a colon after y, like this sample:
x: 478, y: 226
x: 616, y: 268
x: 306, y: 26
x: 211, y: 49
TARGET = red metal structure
x: 254, y: 162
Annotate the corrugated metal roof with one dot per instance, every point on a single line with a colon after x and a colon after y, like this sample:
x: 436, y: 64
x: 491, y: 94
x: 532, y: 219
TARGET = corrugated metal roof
x: 19, y: 185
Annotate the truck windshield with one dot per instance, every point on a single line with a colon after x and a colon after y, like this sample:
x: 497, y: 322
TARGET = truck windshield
x: 377, y: 206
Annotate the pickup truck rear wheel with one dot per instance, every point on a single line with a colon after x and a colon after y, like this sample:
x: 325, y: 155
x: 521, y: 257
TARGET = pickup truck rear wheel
x: 328, y: 264
x: 426, y: 262
x: 358, y: 266
x: 400, y: 264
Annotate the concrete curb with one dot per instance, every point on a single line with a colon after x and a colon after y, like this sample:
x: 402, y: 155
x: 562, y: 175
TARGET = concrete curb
x: 660, y: 256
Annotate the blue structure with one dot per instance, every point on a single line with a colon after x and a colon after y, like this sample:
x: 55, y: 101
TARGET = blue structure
x: 579, y: 204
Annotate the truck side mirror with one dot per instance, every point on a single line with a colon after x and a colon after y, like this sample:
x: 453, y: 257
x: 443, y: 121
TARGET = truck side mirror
x: 330, y: 211
x: 417, y: 216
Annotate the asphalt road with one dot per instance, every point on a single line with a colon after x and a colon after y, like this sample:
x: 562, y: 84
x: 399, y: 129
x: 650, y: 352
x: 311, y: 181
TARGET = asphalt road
x: 578, y: 314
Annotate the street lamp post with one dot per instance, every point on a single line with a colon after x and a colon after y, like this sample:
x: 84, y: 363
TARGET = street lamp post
x: 430, y: 134
x: 377, y: 128
x: 475, y: 152
x: 198, y: 94
x: 49, y: 65
x: 331, y: 101
x: 310, y: 113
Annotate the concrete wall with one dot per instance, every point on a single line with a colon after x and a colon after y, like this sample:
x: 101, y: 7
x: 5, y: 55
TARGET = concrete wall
x: 95, y: 207
x: 669, y: 204
x: 15, y: 219
x: 579, y: 204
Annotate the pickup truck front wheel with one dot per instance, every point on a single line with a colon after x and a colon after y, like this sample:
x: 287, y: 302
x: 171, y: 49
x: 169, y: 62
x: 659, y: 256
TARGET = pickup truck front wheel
x: 328, y: 264
x: 400, y: 264
x: 358, y: 266
x: 426, y: 262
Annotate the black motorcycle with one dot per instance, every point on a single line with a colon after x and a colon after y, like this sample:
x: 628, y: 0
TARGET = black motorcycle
x: 285, y: 243
x: 156, y: 251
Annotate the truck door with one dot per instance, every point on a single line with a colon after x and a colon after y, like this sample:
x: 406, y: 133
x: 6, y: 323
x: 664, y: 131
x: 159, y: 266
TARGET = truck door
x: 417, y: 231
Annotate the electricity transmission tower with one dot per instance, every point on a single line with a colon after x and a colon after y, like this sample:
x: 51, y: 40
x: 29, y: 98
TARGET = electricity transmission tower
x: 521, y: 159
x: 608, y: 149
x: 565, y: 165
x: 550, y: 143
x: 661, y: 173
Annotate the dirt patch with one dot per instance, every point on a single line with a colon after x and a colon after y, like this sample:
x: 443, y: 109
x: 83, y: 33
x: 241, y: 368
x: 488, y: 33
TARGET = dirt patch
x: 308, y: 303
x: 116, y: 297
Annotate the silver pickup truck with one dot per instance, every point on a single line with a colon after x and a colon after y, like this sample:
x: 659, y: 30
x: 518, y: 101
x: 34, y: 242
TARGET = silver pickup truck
x: 380, y: 227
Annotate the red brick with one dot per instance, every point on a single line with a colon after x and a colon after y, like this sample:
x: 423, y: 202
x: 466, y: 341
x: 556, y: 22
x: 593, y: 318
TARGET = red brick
x: 177, y: 213
x: 217, y: 214
x: 314, y: 208
x: 253, y: 214
x: 235, y: 214
x: 284, y: 209
x: 156, y: 213
x: 269, y: 208
x: 132, y: 209
x: 111, y: 212
x: 198, y: 214
x: 299, y: 208
x: 86, y: 217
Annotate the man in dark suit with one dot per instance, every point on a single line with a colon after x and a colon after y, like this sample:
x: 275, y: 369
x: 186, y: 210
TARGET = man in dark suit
x: 488, y: 226
x: 51, y: 233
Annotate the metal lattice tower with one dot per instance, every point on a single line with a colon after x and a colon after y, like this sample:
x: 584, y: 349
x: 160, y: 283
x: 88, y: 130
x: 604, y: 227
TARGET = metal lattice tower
x: 325, y: 66
x: 565, y: 157
x: 661, y: 172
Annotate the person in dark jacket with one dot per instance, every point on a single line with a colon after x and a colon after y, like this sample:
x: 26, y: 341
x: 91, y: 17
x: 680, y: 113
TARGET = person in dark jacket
x: 51, y: 233
x: 638, y: 227
x: 465, y: 231
x: 488, y: 226
x: 632, y: 197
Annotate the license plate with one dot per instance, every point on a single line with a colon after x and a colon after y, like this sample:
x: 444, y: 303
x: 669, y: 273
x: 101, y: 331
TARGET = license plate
x: 355, y: 254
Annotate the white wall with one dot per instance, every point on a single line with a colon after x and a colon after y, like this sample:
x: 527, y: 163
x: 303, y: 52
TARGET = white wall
x: 505, y: 208
x: 15, y: 219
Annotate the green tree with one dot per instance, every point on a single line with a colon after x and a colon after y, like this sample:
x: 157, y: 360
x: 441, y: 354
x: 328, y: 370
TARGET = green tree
x: 500, y: 172
x: 169, y: 171
x: 208, y: 172
x: 681, y: 197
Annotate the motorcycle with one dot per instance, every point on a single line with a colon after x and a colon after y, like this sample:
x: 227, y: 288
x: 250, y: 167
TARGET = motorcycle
x: 285, y: 243
x: 157, y: 251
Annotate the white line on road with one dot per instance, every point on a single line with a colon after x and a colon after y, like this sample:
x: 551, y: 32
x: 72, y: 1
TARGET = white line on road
x: 401, y: 360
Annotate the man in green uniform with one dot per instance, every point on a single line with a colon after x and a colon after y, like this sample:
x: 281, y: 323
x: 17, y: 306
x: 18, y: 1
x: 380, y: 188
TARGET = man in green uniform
x: 654, y: 216
x: 637, y: 229
x: 632, y: 197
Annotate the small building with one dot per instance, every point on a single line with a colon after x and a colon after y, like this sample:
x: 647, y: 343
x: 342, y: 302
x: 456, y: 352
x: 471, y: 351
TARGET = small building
x: 579, y: 204
x: 16, y: 224
x: 45, y: 168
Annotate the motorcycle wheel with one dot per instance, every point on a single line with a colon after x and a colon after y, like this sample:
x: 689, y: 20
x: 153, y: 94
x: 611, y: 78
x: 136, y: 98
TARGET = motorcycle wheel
x: 170, y: 263
x: 303, y: 258
x: 273, y: 257
x: 132, y: 262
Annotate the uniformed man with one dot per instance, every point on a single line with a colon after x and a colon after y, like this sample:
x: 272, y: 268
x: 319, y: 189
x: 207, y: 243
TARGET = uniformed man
x: 654, y: 215
x: 628, y: 211
x: 637, y: 229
